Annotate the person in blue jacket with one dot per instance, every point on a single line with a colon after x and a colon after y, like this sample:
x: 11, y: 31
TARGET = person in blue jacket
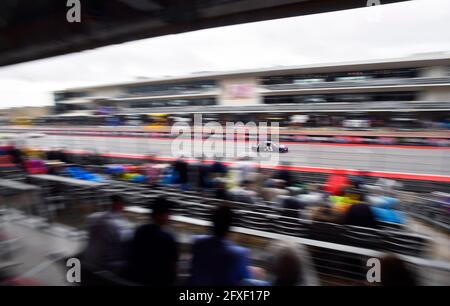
x: 217, y: 261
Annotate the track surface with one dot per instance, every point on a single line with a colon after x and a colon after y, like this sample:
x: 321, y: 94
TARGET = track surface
x: 391, y: 159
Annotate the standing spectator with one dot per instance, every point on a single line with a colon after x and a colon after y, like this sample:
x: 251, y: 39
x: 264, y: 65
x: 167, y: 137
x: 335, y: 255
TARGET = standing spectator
x: 394, y: 272
x: 285, y: 264
x: 154, y: 251
x: 217, y: 261
x: 108, y: 235
x: 181, y: 169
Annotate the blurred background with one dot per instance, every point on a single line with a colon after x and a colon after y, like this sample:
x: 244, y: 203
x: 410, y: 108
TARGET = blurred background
x: 360, y: 96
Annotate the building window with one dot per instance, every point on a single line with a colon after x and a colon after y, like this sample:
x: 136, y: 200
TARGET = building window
x: 154, y: 89
x: 61, y: 96
x: 350, y: 97
x: 340, y: 76
x: 174, y: 102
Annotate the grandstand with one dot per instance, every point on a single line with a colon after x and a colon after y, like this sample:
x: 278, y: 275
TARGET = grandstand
x: 383, y: 91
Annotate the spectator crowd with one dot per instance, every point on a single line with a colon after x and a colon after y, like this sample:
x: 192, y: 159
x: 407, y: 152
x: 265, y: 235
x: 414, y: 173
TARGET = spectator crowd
x: 150, y: 254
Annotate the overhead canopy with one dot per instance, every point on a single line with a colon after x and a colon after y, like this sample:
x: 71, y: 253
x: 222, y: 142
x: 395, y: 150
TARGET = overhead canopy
x: 37, y: 29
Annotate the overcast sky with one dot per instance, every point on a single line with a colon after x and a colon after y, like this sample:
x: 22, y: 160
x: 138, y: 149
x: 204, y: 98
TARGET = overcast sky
x: 387, y: 31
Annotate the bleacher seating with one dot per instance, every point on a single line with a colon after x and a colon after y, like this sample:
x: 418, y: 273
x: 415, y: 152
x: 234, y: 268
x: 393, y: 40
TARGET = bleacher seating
x: 268, y: 217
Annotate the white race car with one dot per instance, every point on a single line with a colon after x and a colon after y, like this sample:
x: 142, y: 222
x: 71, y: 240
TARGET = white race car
x: 269, y: 146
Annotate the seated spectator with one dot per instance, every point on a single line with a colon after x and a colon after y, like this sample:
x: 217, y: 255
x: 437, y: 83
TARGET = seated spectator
x: 6, y: 162
x: 153, y: 251
x: 244, y: 193
x: 151, y: 171
x: 57, y: 154
x: 17, y: 155
x: 169, y: 176
x: 193, y: 174
x: 354, y: 195
x: 203, y: 175
x: 389, y: 215
x: 388, y: 186
x: 35, y: 166
x: 275, y: 189
x: 218, y: 169
x: 340, y: 204
x: 292, y: 206
x: 245, y: 168
x: 360, y: 214
x: 284, y: 174
x: 310, y: 195
x: 336, y: 183
x: 233, y: 177
x: 358, y: 180
x: 394, y: 272
x: 216, y: 261
x: 220, y: 190
x: 109, y: 233
x: 260, y: 177
x: 325, y: 213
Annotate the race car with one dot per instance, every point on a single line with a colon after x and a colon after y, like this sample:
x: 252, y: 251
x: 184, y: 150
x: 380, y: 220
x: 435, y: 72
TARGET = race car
x: 269, y: 146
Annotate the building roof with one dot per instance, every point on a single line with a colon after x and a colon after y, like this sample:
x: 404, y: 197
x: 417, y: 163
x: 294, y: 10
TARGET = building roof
x: 415, y: 61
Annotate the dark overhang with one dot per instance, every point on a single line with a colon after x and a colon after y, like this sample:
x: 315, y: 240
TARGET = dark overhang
x: 36, y: 29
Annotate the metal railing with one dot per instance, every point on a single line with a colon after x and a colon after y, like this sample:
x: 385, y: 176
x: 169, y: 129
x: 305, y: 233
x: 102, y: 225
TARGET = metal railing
x: 428, y: 209
x: 338, y: 264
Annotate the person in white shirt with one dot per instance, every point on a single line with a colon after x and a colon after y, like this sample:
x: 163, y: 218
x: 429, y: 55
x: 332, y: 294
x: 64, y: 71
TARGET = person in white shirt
x: 246, y: 168
x: 109, y: 233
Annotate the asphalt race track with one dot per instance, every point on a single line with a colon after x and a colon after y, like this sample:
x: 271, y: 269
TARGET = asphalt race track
x: 417, y: 160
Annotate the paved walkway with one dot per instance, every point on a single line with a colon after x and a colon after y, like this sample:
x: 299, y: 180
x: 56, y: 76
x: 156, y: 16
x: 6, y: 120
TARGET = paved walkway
x: 34, y: 254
